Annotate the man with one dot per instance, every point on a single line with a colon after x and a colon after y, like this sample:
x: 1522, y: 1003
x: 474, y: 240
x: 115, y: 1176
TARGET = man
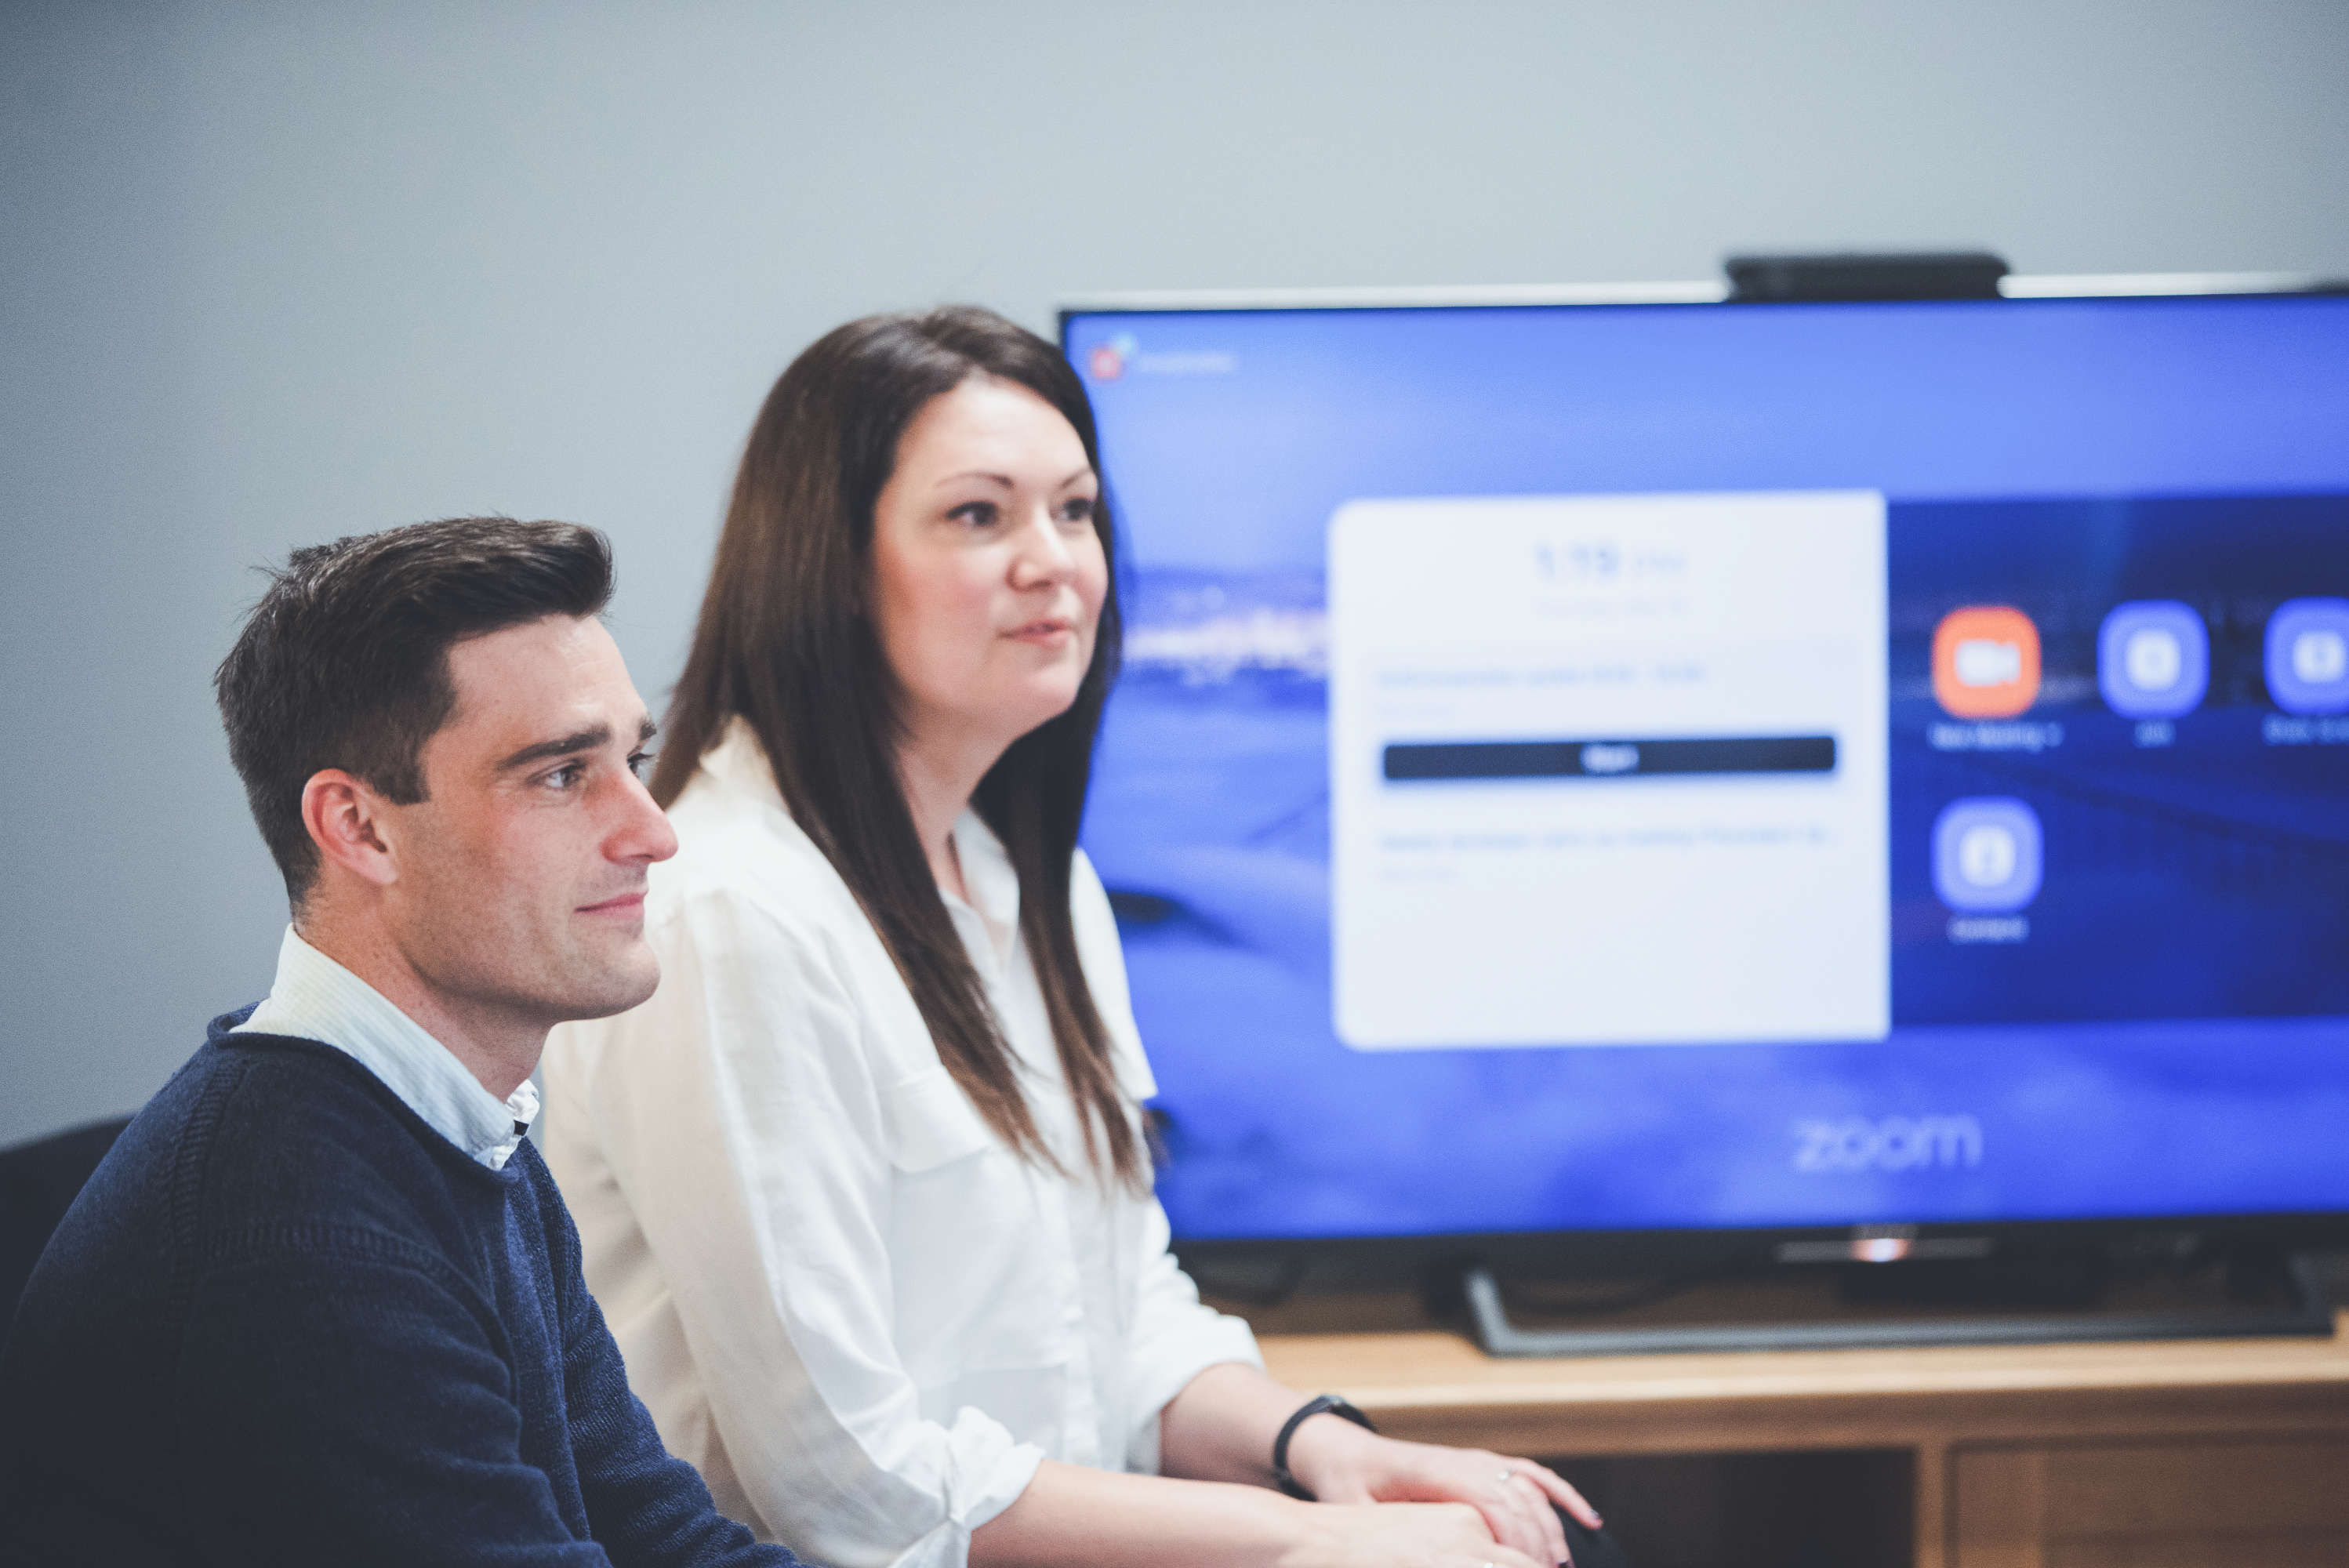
x: 322, y: 1303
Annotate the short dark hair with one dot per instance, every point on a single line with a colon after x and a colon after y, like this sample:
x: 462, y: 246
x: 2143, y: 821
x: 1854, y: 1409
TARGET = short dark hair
x: 345, y: 661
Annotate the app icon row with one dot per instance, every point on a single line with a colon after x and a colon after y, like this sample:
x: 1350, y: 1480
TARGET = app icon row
x: 2153, y: 659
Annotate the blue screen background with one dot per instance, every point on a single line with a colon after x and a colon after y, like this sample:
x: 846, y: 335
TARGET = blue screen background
x: 2172, y: 1039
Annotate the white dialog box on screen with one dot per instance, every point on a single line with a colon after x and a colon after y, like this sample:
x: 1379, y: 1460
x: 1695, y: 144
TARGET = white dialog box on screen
x: 1609, y: 771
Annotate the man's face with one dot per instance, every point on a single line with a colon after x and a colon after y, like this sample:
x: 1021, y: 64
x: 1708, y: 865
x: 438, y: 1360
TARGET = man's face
x: 520, y: 887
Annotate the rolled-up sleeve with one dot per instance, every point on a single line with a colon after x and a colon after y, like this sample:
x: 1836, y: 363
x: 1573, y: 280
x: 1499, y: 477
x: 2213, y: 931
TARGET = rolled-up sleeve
x: 739, y: 1116
x: 1175, y: 1336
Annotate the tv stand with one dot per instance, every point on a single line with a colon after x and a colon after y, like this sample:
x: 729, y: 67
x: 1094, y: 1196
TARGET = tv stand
x: 1870, y: 1311
x: 1948, y: 1456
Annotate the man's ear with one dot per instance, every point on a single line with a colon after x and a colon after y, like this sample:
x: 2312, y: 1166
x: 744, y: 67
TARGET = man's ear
x: 345, y: 819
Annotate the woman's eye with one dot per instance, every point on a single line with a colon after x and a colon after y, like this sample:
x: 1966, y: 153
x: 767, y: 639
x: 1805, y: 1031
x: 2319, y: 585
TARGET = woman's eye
x: 976, y: 514
x: 1078, y: 510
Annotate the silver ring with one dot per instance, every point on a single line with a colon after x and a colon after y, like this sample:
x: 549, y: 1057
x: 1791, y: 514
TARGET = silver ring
x: 1506, y: 1477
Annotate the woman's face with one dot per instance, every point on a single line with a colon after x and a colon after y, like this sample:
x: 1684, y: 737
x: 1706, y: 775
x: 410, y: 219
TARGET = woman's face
x: 987, y: 574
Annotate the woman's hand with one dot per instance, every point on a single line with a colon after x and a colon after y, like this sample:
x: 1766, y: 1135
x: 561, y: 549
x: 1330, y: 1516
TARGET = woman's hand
x: 1073, y: 1516
x: 1221, y: 1427
x: 1339, y: 1462
x: 1403, y: 1535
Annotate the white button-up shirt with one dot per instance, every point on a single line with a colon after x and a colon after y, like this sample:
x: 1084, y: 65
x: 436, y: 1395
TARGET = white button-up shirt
x: 315, y: 998
x: 842, y: 1296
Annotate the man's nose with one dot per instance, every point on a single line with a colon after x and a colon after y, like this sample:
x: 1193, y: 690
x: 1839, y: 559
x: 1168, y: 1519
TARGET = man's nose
x: 643, y: 833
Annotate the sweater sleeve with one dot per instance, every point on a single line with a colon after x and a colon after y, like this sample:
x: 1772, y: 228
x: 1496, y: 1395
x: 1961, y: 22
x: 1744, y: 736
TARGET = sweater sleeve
x: 347, y: 1402
x: 646, y: 1506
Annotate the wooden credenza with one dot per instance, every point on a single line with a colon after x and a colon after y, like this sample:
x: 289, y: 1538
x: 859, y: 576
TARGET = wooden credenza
x: 2149, y: 1455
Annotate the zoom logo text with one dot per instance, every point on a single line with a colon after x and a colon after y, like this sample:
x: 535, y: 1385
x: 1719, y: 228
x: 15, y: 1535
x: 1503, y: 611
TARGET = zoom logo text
x: 1860, y: 1143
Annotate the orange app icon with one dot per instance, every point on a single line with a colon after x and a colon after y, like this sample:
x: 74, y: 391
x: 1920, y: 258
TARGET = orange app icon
x: 1986, y: 661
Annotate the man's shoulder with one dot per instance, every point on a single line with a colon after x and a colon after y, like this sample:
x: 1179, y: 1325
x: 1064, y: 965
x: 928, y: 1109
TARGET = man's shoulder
x: 311, y: 1137
x: 270, y: 1142
x: 261, y: 1159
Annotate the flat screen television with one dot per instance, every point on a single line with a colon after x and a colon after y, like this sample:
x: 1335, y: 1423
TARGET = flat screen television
x: 1667, y: 768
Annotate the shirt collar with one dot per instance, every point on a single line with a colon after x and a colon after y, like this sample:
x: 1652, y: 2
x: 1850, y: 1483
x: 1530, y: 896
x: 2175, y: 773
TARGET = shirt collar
x: 315, y: 998
x: 988, y: 876
x: 738, y: 760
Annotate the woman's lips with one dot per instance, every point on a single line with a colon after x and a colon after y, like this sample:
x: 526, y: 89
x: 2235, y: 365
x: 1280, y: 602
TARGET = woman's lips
x: 1048, y: 631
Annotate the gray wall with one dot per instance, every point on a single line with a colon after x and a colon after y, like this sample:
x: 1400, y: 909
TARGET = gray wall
x: 270, y: 273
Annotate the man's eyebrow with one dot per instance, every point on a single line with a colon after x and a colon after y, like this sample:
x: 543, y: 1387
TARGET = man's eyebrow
x: 580, y: 740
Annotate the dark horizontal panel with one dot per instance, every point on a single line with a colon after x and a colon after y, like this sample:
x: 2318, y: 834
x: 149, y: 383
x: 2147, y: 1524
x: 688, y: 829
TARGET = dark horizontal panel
x: 1609, y: 757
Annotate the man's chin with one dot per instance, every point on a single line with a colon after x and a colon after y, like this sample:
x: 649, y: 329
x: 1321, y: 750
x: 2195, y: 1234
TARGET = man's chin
x: 626, y: 983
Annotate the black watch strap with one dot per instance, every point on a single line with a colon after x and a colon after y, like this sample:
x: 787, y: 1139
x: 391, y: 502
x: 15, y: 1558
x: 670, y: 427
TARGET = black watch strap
x: 1320, y: 1405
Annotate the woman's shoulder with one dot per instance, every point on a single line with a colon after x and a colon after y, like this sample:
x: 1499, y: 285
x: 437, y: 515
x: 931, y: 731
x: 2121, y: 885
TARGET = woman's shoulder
x: 1095, y: 921
x: 741, y: 853
x: 1088, y: 899
x: 1101, y: 952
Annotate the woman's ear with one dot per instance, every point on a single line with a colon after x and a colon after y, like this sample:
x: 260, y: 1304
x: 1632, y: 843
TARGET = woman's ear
x: 345, y: 818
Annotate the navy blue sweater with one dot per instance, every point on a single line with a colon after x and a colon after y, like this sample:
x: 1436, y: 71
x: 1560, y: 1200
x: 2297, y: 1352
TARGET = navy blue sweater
x: 287, y: 1322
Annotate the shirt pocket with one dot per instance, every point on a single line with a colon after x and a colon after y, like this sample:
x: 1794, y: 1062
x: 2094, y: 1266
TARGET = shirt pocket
x: 929, y: 1122
x: 976, y: 1273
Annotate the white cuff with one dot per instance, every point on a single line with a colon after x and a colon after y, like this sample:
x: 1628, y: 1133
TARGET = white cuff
x: 997, y: 1488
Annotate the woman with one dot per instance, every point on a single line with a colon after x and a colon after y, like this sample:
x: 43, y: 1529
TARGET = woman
x: 863, y: 1190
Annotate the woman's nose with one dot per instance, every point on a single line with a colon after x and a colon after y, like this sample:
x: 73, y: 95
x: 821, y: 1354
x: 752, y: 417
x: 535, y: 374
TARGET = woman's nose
x: 1044, y: 556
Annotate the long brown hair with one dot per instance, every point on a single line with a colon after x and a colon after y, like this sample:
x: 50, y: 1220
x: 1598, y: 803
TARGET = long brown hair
x: 786, y: 641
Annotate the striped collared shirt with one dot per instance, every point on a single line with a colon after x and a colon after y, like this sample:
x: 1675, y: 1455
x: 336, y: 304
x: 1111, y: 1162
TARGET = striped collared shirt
x: 315, y: 998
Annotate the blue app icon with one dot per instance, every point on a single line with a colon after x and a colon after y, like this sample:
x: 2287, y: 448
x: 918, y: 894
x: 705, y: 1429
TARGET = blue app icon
x: 2153, y: 659
x: 1986, y: 854
x: 2308, y: 656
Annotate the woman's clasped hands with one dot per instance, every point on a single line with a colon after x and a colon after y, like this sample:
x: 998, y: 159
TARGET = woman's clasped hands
x: 1384, y: 1501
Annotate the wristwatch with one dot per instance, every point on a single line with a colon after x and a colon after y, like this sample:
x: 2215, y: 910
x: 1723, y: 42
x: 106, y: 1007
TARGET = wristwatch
x: 1321, y: 1404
